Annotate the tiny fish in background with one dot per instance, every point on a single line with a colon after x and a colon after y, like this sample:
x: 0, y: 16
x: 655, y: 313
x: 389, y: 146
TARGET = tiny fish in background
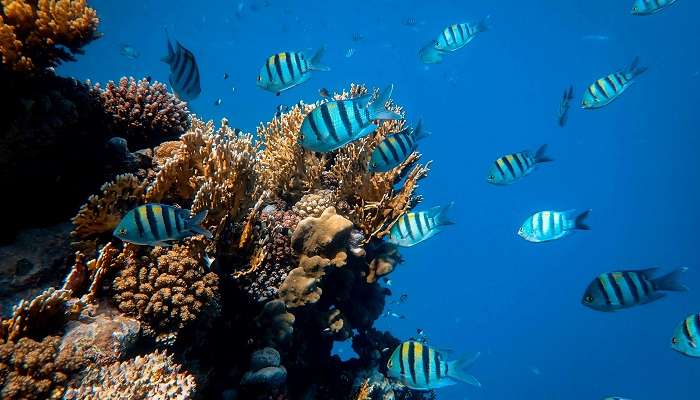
x: 686, y: 338
x: 648, y: 7
x: 565, y: 105
x: 456, y: 36
x: 358, y: 37
x: 350, y: 52
x: 618, y: 290
x: 415, y: 227
x: 184, y: 72
x: 323, y: 92
x: 285, y: 70
x: 422, y: 367
x: 156, y: 224
x: 225, y: 75
x: 600, y: 38
x: 129, y: 51
x: 512, y: 167
x: 605, y: 90
x: 218, y: 102
x: 616, y: 398
x: 334, y: 124
x: 409, y: 22
x: 545, y: 226
x: 428, y: 54
x: 395, y: 148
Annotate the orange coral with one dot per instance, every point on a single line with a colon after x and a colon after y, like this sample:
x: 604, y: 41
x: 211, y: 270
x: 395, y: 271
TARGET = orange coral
x: 45, y: 313
x: 42, y: 33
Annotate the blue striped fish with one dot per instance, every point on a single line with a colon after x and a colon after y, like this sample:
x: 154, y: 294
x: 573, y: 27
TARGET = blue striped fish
x: 456, y: 36
x: 648, y: 7
x: 512, y: 167
x: 624, y: 289
x: 428, y: 54
x: 603, y: 91
x: 184, y: 73
x: 421, y: 367
x: 396, y: 148
x: 156, y: 224
x: 334, y: 124
x: 414, y: 227
x: 686, y: 338
x: 288, y: 69
x: 544, y: 226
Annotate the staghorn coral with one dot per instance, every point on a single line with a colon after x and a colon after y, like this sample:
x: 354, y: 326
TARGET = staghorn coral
x: 44, y: 314
x: 35, y: 34
x: 101, y: 214
x: 142, y: 112
x: 152, y: 376
x: 164, y: 288
x: 38, y: 370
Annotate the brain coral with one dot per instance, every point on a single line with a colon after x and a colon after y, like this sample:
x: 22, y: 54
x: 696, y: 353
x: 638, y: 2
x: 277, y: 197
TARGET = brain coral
x: 164, y: 289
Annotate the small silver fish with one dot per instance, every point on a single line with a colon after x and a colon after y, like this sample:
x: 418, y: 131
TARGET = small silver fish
x: 129, y: 51
x: 350, y: 52
x: 225, y: 75
x: 218, y: 102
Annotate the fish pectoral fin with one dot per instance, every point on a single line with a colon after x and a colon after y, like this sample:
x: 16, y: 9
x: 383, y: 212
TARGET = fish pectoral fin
x: 368, y: 130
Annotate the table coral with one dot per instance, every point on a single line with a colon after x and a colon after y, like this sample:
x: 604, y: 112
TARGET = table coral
x: 142, y: 112
x: 152, y: 376
x: 164, y: 288
x: 43, y: 33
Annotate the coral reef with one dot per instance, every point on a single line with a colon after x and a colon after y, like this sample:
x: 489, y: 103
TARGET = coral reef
x: 164, y: 289
x: 152, y: 376
x: 142, y: 112
x: 39, y: 34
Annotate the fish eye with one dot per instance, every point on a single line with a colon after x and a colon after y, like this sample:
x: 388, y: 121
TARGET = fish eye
x: 588, y: 299
x: 674, y: 341
x: 122, y: 231
x: 491, y: 177
x: 259, y: 78
x: 392, y: 363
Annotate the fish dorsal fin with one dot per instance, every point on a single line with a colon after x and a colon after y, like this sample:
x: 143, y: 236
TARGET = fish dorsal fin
x: 363, y: 100
x: 648, y: 272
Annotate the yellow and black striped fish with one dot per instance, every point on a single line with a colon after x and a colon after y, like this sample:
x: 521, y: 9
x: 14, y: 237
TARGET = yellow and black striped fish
x: 686, y: 337
x: 604, y: 90
x: 184, y: 73
x: 156, y: 224
x: 624, y: 289
x: 456, y: 36
x: 414, y: 227
x: 648, y: 7
x: 285, y: 70
x: 511, y: 167
x: 396, y: 148
x: 421, y: 367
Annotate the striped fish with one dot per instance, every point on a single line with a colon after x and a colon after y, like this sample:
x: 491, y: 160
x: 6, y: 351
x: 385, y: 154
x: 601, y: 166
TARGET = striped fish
x: 184, y: 73
x: 288, y: 69
x: 428, y: 54
x: 686, y: 338
x: 603, y: 91
x: 396, y: 148
x: 334, y: 124
x: 545, y: 226
x: 415, y: 227
x: 512, y: 167
x: 156, y: 224
x: 648, y: 7
x: 564, y: 105
x: 456, y: 36
x: 624, y: 289
x: 421, y: 367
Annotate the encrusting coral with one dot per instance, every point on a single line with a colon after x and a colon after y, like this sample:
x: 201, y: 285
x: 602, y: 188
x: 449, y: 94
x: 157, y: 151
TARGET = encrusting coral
x: 142, y: 112
x: 36, y: 34
x: 164, y: 289
x: 152, y: 376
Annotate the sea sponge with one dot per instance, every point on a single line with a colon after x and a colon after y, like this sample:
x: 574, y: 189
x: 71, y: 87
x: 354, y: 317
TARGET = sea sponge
x: 35, y: 34
x: 265, y: 369
x: 38, y: 370
x: 142, y: 112
x: 164, y: 288
x: 276, y: 323
x: 152, y: 376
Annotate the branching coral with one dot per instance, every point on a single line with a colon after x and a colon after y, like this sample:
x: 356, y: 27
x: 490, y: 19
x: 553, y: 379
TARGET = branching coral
x: 101, y: 214
x: 143, y: 113
x: 38, y: 317
x: 37, y: 370
x: 164, y: 289
x: 35, y: 34
x: 153, y: 376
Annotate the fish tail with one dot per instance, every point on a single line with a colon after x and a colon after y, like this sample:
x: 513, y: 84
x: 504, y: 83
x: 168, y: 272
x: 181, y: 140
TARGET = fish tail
x: 194, y: 224
x: 378, y: 107
x: 439, y: 214
x: 171, y: 52
x: 580, y: 221
x: 671, y: 281
x: 635, y: 70
x: 458, y: 370
x: 570, y: 93
x: 418, y: 132
x: 315, y: 62
x: 540, y: 156
x: 484, y: 25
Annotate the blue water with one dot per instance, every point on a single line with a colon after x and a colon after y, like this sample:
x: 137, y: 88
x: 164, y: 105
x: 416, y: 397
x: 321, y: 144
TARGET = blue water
x: 478, y: 286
